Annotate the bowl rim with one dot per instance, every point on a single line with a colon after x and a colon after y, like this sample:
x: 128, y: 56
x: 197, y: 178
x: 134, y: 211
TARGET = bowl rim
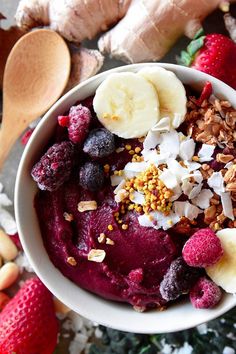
x: 106, y: 321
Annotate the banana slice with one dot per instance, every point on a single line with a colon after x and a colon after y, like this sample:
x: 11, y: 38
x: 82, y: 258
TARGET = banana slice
x: 223, y: 273
x: 171, y: 93
x: 127, y: 105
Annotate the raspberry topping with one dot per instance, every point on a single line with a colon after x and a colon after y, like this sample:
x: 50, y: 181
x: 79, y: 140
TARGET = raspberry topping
x: 205, y: 294
x: 99, y: 143
x: 54, y: 167
x: 202, y: 249
x: 77, y: 123
x: 178, y: 280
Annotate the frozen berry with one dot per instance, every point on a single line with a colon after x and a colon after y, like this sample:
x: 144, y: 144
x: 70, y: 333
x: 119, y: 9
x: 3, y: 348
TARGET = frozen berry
x: 91, y: 176
x: 77, y: 122
x: 205, y: 294
x: 202, y: 249
x: 26, y: 136
x: 178, y: 280
x: 99, y: 143
x: 54, y: 167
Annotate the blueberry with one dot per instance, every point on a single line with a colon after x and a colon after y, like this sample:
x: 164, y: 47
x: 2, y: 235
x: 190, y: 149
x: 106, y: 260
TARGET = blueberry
x: 91, y: 176
x: 178, y: 279
x: 99, y: 143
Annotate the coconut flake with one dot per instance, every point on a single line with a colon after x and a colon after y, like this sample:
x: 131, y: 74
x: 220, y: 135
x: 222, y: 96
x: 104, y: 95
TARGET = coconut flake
x: 168, y: 178
x: 145, y: 221
x: 187, y: 186
x: 175, y: 167
x: 192, y: 166
x: 137, y: 198
x: 120, y: 186
x: 206, y: 152
x: 227, y: 205
x: 7, y: 222
x: 186, y: 149
x: 165, y: 221
x: 203, y: 199
x: 186, y: 209
x: 177, y: 120
x: 4, y: 200
x: 195, y: 191
x: 216, y: 182
x: 116, y: 180
x: 177, y: 191
x: 162, y: 125
x: 229, y: 164
x: 152, y: 139
x: 136, y: 166
x: 170, y: 143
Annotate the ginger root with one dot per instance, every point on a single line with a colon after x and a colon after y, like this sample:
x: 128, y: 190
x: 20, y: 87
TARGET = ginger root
x: 75, y: 20
x: 151, y: 27
x: 84, y: 64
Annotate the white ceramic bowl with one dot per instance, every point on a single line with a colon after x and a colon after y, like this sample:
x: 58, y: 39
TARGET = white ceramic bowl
x: 111, y: 314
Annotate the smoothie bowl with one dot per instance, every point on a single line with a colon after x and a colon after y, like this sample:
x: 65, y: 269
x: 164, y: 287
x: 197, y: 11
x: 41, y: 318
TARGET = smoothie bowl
x: 125, y: 199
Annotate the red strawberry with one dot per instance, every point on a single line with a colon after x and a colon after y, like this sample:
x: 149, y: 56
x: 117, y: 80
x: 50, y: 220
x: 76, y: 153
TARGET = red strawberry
x: 28, y: 324
x: 214, y: 54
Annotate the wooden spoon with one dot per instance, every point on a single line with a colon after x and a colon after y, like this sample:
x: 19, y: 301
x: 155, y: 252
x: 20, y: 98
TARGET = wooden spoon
x: 36, y: 73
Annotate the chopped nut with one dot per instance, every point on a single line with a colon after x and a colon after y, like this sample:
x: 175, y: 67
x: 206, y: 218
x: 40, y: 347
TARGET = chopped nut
x: 71, y: 261
x: 119, y: 149
x: 102, y: 238
x: 87, y: 205
x: 210, y: 214
x: 96, y: 255
x: 224, y: 158
x: 109, y: 241
x: 68, y: 217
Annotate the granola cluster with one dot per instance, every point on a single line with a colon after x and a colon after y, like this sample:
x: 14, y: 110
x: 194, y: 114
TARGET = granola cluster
x: 213, y: 123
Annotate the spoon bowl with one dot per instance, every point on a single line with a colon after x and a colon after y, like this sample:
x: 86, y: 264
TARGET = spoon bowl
x: 36, y: 73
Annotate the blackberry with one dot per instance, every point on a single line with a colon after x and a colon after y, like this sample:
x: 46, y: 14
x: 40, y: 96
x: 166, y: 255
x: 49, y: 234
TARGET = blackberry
x: 77, y: 123
x: 91, y: 176
x: 178, y: 280
x: 99, y: 143
x: 54, y: 167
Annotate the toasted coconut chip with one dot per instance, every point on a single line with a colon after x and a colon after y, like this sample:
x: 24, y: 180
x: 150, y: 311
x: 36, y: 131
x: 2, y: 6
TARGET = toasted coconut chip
x: 169, y: 179
x: 170, y: 144
x: 152, y: 139
x: 227, y: 205
x: 121, y: 195
x: 186, y: 149
x: 162, y: 126
x: 120, y: 186
x: 116, y: 180
x: 177, y: 120
x: 177, y: 191
x: 195, y: 191
x: 165, y: 222
x: 179, y: 171
x: 206, y: 152
x: 203, y: 199
x: 216, y: 182
x: 186, y: 209
x: 145, y: 221
x: 192, y: 166
x: 229, y: 164
x: 137, y: 198
x: 136, y: 166
x: 153, y: 157
x: 187, y: 186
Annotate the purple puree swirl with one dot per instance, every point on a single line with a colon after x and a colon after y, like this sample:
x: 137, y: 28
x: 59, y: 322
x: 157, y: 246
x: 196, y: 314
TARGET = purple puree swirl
x: 133, y: 267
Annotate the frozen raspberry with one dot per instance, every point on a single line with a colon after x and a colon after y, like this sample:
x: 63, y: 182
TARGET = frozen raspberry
x: 77, y: 122
x: 205, y: 294
x: 54, y: 167
x: 91, y: 176
x: 202, y: 249
x: 136, y: 275
x: 178, y: 280
x: 26, y: 136
x: 99, y: 143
